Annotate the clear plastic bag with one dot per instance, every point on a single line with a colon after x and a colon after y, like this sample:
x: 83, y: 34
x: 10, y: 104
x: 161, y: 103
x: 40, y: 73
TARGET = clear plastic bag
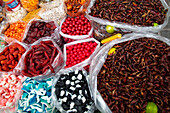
x: 56, y: 78
x: 17, y: 68
x: 48, y: 4
x: 9, y: 39
x: 99, y: 60
x: 54, y: 36
x: 30, y: 5
x: 88, y: 60
x: 57, y: 63
x: 134, y: 28
x: 100, y: 32
x: 76, y: 37
x: 14, y: 16
x: 76, y: 8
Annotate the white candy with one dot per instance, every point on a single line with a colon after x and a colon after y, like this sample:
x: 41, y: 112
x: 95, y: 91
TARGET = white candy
x: 78, y: 86
x: 79, y: 97
x: 77, y: 81
x: 67, y: 82
x: 72, y: 88
x: 64, y: 99
x: 73, y: 96
x: 79, y: 76
x: 73, y: 78
x: 62, y: 93
x: 88, y: 107
x: 80, y: 91
x: 72, y: 105
x: 83, y: 99
x: 76, y: 71
x: 72, y: 83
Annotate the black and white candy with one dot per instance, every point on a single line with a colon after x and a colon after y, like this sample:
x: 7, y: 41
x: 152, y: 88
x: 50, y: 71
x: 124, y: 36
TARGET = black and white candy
x: 73, y: 93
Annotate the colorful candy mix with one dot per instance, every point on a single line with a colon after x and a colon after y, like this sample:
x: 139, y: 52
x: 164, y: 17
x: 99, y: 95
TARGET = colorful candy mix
x: 39, y: 59
x: 10, y: 87
x: 10, y: 57
x: 15, y: 31
x: 36, y: 97
x: 73, y: 93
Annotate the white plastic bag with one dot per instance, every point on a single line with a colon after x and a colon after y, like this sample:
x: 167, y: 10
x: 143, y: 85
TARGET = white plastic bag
x: 55, y: 35
x: 134, y: 28
x: 88, y: 60
x: 57, y: 63
x: 56, y: 78
x: 99, y: 60
x: 76, y: 37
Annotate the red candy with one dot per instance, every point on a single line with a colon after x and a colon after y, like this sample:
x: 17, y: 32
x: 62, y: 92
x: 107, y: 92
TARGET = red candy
x: 79, y: 52
x: 76, y: 26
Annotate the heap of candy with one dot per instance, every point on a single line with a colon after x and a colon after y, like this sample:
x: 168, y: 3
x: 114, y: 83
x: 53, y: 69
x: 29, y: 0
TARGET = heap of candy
x: 36, y: 96
x: 72, y: 92
x: 10, y: 87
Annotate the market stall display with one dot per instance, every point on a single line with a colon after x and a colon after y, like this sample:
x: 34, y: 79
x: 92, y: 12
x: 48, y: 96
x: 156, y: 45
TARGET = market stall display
x: 84, y: 56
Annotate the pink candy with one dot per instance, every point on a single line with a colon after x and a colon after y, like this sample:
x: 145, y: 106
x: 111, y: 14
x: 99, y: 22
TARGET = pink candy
x: 10, y: 87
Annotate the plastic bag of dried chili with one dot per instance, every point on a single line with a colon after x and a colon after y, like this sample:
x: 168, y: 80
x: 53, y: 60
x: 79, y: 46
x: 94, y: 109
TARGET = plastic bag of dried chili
x: 11, y: 55
x: 72, y: 86
x: 42, y: 60
x: 107, y: 82
x: 37, y: 29
x: 149, y: 16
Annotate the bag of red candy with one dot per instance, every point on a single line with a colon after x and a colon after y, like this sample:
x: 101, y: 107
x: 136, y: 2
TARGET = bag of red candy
x: 77, y: 28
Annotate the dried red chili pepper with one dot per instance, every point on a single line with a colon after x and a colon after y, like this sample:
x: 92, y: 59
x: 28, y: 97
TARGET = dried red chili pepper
x: 39, y: 59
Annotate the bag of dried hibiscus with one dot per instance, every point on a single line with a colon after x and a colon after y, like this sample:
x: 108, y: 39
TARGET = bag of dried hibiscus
x: 43, y: 58
x: 128, y: 73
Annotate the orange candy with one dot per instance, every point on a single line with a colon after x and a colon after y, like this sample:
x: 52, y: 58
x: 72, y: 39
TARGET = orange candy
x: 15, y: 31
